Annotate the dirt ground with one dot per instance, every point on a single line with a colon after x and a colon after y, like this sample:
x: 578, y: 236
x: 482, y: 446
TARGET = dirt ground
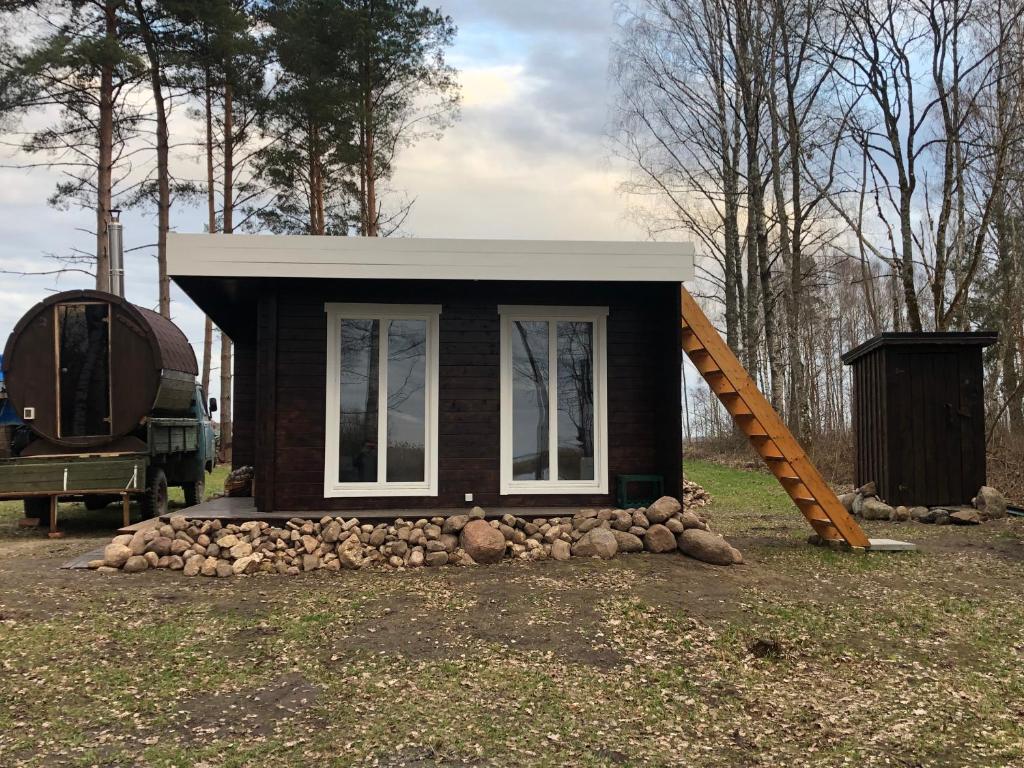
x: 802, y: 656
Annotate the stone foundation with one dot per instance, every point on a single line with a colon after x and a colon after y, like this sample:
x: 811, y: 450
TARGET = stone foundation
x: 209, y: 548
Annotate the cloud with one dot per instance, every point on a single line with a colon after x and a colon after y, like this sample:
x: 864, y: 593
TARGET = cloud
x: 528, y: 159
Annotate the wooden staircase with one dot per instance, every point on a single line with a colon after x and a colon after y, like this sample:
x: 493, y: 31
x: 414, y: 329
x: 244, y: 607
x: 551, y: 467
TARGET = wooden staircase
x: 765, y: 429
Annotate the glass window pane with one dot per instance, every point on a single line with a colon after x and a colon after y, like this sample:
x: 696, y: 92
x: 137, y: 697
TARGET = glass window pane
x: 84, y: 369
x: 360, y: 340
x: 575, y: 349
x: 407, y: 405
x: 530, y: 400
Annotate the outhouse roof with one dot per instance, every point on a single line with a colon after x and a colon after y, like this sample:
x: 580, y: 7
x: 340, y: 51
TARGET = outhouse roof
x: 927, y: 338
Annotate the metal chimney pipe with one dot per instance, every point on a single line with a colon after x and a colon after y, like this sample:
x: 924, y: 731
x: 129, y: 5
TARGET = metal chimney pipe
x: 115, y: 247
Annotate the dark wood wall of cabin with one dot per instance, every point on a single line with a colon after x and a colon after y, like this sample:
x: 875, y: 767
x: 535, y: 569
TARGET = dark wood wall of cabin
x: 643, y: 386
x: 919, y: 423
x: 243, y: 435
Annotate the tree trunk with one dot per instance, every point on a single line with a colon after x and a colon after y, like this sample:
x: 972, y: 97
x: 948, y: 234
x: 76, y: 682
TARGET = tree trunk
x: 105, y: 158
x: 369, y: 156
x: 162, y: 157
x: 228, y: 228
x: 207, y: 351
x: 211, y: 224
x: 371, y: 182
x: 229, y: 161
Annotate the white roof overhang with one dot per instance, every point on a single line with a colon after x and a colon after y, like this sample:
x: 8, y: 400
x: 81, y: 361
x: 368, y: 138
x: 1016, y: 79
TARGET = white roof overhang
x: 303, y: 256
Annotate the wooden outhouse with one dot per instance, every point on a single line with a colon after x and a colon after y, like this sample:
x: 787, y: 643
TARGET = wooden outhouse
x: 919, y: 416
x: 410, y: 373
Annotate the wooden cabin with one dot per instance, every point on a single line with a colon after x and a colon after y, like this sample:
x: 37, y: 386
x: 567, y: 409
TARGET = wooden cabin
x: 392, y: 374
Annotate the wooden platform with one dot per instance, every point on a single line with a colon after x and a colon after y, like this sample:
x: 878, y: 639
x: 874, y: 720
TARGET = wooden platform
x: 243, y: 509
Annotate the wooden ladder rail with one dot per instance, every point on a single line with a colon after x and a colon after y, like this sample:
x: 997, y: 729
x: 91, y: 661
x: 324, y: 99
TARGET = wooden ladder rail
x: 766, y: 431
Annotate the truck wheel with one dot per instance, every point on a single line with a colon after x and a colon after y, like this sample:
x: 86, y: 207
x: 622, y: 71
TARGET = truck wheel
x: 38, y: 507
x: 154, y: 500
x: 194, y: 492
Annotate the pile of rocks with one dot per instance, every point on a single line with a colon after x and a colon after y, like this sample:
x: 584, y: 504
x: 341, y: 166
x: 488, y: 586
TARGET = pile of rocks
x: 239, y: 482
x: 694, y: 495
x: 209, y: 548
x: 989, y: 504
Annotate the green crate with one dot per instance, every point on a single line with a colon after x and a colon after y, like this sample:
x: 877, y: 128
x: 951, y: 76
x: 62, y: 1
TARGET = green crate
x: 656, y: 485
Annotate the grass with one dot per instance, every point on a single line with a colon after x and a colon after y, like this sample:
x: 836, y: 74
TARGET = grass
x: 642, y: 660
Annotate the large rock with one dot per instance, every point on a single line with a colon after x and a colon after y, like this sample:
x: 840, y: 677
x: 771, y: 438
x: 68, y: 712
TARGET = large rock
x: 857, y: 507
x: 192, y: 566
x: 560, y: 550
x: 588, y: 524
x: 869, y: 489
x: 874, y: 509
x: 846, y: 499
x: 660, y: 539
x: 482, y: 542
x: 663, y: 509
x: 599, y: 542
x: 706, y: 546
x: 922, y: 515
x: 990, y: 503
x: 138, y: 543
x: 241, y: 549
x: 332, y: 532
x: 454, y: 524
x: 627, y: 542
x: 690, y: 520
x: 309, y: 562
x: 161, y: 546
x: 434, y: 559
x: 116, y: 555
x: 135, y: 564
x: 965, y: 516
x: 622, y: 520
x: 350, y: 553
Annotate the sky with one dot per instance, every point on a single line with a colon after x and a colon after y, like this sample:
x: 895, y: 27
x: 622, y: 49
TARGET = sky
x: 529, y: 158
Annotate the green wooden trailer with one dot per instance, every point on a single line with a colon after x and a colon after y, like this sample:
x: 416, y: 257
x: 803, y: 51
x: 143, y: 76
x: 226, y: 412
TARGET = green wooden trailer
x: 75, y: 476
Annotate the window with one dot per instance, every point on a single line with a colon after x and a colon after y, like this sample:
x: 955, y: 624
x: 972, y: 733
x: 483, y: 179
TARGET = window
x: 382, y: 400
x: 553, y: 400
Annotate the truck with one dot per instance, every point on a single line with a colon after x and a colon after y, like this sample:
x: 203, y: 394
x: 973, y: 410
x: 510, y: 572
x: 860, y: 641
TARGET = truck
x: 109, y: 408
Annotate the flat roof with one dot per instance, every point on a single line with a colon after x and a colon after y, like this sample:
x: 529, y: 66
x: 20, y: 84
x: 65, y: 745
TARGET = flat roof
x: 920, y: 338
x: 401, y: 258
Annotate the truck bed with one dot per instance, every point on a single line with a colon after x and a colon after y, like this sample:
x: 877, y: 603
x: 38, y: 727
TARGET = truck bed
x: 73, y: 474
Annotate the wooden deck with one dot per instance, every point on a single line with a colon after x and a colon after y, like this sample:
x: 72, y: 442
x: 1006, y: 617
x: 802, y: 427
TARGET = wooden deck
x: 243, y: 509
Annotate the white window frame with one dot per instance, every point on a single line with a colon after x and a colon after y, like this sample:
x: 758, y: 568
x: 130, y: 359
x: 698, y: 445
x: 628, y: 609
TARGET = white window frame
x: 552, y: 315
x: 383, y: 313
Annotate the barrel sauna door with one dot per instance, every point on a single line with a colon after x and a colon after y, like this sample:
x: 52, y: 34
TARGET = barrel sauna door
x: 83, y: 360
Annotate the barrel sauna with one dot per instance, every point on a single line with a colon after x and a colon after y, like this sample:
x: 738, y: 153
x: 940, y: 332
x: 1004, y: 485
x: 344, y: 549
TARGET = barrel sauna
x: 85, y: 368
